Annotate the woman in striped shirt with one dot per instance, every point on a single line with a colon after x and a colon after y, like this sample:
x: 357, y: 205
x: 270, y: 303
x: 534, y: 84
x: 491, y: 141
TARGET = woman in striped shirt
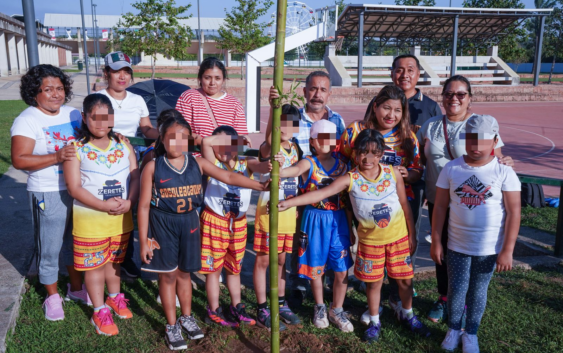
x: 225, y: 109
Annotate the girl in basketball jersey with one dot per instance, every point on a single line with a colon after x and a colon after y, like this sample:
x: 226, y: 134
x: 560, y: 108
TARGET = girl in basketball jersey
x: 289, y: 125
x: 324, y: 241
x: 385, y: 230
x: 104, y: 182
x: 223, y: 224
x: 169, y: 223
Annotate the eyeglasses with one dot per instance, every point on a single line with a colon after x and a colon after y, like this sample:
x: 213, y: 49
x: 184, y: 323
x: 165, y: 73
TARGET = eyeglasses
x: 459, y: 95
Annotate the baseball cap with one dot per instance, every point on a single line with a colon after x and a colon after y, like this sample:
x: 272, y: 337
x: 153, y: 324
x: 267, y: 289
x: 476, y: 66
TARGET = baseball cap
x: 117, y: 60
x: 322, y: 127
x: 484, y: 125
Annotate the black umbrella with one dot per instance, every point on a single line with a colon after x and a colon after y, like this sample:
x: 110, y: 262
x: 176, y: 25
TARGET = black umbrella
x: 159, y: 95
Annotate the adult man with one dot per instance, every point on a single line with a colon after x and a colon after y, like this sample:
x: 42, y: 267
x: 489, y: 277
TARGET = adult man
x: 405, y: 73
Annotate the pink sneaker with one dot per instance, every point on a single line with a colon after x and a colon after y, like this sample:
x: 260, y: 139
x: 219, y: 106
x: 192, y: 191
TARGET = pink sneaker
x: 53, y: 308
x: 78, y: 296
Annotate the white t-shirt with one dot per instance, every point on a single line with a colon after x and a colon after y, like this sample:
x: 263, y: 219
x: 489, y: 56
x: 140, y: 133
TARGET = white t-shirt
x: 50, y: 134
x: 477, y: 212
x: 431, y: 134
x: 128, y: 117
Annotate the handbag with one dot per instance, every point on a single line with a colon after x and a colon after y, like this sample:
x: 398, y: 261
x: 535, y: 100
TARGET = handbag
x: 208, y: 107
x: 444, y: 124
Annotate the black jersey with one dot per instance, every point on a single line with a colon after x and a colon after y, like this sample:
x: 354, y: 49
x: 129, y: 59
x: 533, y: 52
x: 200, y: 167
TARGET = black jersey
x: 177, y: 191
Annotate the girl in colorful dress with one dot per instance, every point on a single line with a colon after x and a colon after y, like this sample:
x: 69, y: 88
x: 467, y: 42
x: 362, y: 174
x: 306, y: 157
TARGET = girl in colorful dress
x: 324, y: 241
x: 385, y: 230
x: 171, y: 193
x: 223, y: 224
x: 390, y: 116
x: 104, y: 182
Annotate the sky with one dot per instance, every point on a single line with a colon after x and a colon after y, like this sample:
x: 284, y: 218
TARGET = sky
x: 209, y: 8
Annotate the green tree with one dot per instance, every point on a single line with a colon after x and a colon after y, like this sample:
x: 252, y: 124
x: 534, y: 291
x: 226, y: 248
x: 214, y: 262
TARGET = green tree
x: 415, y: 2
x: 154, y: 30
x: 533, y: 25
x: 510, y: 42
x: 242, y: 32
x: 554, y: 36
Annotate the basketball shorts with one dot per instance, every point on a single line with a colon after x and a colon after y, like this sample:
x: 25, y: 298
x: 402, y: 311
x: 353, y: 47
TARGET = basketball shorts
x: 223, y: 241
x: 93, y: 253
x: 175, y: 241
x: 372, y: 259
x: 324, y: 243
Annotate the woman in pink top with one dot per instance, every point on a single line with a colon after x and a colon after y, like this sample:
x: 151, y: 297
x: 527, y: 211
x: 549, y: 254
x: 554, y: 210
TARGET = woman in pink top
x: 224, y: 109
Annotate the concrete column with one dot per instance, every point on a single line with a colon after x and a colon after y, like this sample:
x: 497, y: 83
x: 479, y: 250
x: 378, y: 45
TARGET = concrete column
x: 454, y: 47
x: 12, y: 53
x: 3, y: 55
x: 200, y: 44
x: 415, y: 50
x: 360, y: 49
x: 40, y: 47
x: 79, y: 39
x: 21, y: 54
x: 25, y: 52
x: 492, y: 51
x: 227, y: 58
x: 68, y: 57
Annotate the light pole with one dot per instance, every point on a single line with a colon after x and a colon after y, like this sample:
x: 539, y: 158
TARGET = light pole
x: 93, y: 33
x: 200, y: 48
x: 97, y: 39
x: 30, y: 33
x: 85, y: 46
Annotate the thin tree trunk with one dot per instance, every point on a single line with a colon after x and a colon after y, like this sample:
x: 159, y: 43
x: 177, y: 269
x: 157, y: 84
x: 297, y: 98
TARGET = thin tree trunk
x: 153, y: 66
x: 553, y: 63
x: 275, y: 176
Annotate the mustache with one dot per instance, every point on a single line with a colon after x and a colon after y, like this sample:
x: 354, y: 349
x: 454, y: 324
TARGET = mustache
x: 317, y: 101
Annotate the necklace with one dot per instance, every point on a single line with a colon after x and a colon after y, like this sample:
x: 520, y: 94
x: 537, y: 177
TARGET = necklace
x: 118, y: 102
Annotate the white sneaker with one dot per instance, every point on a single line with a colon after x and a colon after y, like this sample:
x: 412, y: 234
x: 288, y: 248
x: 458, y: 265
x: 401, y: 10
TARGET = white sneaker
x: 320, y: 319
x: 470, y: 343
x: 365, y: 319
x: 160, y: 301
x: 452, y: 339
x: 340, y: 320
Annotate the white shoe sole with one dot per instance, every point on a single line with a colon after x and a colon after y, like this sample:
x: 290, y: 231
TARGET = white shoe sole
x: 322, y: 325
x: 52, y: 319
x: 172, y: 348
x: 69, y: 298
x: 365, y: 319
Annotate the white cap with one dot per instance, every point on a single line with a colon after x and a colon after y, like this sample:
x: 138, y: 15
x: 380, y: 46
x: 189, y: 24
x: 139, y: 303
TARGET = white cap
x: 322, y: 127
x: 117, y: 60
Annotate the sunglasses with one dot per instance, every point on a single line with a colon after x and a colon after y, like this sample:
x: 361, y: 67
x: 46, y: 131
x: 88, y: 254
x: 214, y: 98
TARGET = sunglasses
x: 459, y: 95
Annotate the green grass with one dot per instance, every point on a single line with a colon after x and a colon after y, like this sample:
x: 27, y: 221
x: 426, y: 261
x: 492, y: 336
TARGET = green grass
x: 9, y: 110
x: 544, y: 218
x: 184, y: 75
x: 542, y: 79
x: 523, y: 315
x: 72, y: 70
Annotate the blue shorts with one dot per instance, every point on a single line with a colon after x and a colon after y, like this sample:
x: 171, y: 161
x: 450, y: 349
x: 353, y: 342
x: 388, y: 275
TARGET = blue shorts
x: 324, y: 243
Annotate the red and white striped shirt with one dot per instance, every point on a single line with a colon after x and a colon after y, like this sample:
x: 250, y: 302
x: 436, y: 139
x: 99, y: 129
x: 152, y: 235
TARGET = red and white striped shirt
x: 226, y: 109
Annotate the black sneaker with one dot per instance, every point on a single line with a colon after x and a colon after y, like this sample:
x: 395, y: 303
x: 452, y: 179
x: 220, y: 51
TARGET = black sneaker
x: 174, y: 339
x: 288, y: 316
x: 265, y: 320
x: 130, y: 269
x: 190, y: 327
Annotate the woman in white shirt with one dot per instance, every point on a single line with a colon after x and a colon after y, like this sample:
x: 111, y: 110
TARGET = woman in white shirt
x: 41, y: 137
x: 130, y: 109
x: 442, y: 139
x: 130, y: 114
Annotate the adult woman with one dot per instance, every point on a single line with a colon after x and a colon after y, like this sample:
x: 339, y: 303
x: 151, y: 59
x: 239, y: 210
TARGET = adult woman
x: 442, y: 140
x: 208, y: 107
x: 130, y: 109
x: 130, y: 113
x: 40, y: 137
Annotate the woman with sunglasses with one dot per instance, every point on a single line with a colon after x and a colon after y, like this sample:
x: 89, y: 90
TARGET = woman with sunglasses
x: 442, y: 139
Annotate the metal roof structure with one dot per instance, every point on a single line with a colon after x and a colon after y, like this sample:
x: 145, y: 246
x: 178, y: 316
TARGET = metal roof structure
x: 421, y: 23
x: 110, y: 21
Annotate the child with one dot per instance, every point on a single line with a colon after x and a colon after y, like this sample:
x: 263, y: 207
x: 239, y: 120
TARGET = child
x: 149, y: 154
x: 104, y: 182
x: 223, y: 224
x: 389, y: 115
x: 325, y: 236
x: 484, y: 200
x: 286, y: 222
x: 169, y: 224
x: 385, y: 230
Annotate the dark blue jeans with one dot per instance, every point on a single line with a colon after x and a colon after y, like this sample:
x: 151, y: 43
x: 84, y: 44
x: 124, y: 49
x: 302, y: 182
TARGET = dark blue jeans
x: 468, y: 277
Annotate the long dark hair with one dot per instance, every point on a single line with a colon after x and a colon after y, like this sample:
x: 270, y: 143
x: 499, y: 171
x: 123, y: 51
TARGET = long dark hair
x: 211, y: 63
x: 169, y: 118
x: 367, y: 137
x: 391, y: 92
x: 93, y: 100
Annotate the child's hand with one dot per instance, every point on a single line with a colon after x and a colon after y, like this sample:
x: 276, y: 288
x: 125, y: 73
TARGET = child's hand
x: 146, y: 252
x: 413, y: 243
x: 280, y: 158
x: 111, y: 204
x: 506, y: 160
x: 265, y: 185
x: 504, y: 261
x: 124, y: 207
x: 352, y: 237
x: 437, y: 252
x: 282, y: 206
x: 246, y: 141
x: 274, y: 94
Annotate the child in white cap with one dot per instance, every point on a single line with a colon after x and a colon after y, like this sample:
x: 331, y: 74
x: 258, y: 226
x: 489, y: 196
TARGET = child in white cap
x: 324, y: 240
x: 484, y: 200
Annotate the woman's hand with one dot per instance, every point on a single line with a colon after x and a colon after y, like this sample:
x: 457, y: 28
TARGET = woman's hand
x: 124, y: 207
x: 506, y: 160
x: 66, y: 153
x: 404, y: 171
x: 122, y: 138
x: 274, y: 94
x: 437, y: 252
x: 504, y: 261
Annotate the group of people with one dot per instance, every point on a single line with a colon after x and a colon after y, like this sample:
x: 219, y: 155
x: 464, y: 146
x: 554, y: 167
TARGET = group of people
x: 367, y: 180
